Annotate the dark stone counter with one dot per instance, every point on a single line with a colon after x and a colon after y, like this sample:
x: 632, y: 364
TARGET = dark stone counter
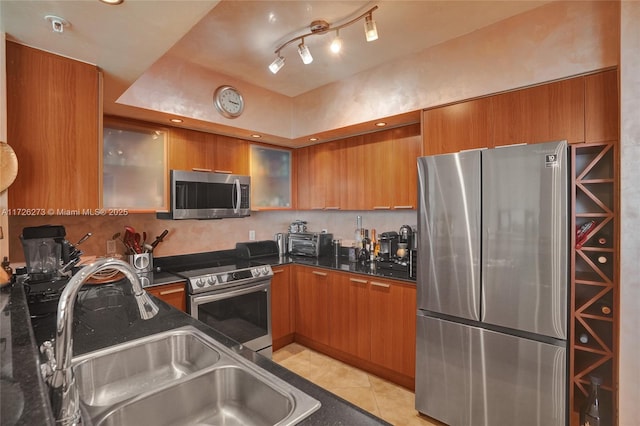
x: 106, y: 315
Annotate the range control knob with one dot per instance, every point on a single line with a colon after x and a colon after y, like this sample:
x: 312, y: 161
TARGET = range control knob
x: 199, y: 282
x: 211, y: 279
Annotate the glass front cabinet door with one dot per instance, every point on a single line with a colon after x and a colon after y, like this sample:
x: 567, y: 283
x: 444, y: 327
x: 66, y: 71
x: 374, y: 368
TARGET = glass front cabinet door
x: 134, y: 167
x: 270, y: 178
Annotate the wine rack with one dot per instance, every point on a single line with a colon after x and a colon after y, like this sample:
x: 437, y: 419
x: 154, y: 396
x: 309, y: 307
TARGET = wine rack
x: 594, y: 281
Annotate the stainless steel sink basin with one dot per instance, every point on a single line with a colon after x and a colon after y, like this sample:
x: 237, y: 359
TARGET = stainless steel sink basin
x: 227, y: 396
x: 121, y: 372
x: 183, y: 377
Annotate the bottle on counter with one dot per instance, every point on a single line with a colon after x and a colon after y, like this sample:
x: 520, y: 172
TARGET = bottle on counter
x: 358, y: 232
x: 590, y: 414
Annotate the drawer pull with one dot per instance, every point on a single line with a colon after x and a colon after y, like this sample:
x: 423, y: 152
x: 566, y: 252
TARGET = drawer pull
x: 382, y: 207
x: 322, y: 274
x: 226, y: 172
x: 277, y: 271
x: 403, y: 207
x: 175, y: 290
x: 377, y: 284
x: 355, y: 280
x: 332, y: 208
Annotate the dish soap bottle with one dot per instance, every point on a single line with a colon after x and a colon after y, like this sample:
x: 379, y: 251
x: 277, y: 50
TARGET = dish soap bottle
x: 590, y: 414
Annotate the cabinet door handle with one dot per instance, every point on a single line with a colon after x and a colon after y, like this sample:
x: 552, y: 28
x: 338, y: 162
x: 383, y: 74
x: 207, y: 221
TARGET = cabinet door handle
x: 322, y: 274
x: 403, y: 207
x: 277, y: 271
x: 317, y: 208
x: 175, y: 290
x: 332, y: 208
x: 355, y: 280
x: 377, y: 284
x: 382, y: 207
x: 200, y: 169
x: 226, y: 172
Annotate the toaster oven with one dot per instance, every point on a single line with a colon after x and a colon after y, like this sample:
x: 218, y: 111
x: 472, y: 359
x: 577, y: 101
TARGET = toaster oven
x: 312, y: 244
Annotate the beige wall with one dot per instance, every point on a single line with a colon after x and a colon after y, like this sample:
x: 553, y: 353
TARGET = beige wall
x: 630, y: 205
x: 551, y: 42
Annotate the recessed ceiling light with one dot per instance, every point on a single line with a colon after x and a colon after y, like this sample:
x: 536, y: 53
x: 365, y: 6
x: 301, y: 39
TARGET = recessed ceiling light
x: 176, y: 120
x: 112, y: 1
x: 381, y: 124
x: 313, y: 139
x: 255, y: 135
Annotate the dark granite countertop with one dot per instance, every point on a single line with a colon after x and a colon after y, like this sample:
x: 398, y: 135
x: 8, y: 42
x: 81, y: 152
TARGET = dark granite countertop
x: 104, y: 316
x: 340, y: 264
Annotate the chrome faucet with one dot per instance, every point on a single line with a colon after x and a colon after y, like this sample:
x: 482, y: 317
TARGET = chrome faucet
x: 57, y: 371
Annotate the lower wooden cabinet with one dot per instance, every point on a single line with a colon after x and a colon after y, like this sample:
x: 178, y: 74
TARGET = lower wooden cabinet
x: 365, y: 321
x: 282, y: 318
x: 173, y: 294
x: 393, y: 325
x: 312, y: 303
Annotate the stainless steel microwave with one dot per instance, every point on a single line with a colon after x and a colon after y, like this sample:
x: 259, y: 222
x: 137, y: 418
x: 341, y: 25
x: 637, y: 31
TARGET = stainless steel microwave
x: 208, y: 195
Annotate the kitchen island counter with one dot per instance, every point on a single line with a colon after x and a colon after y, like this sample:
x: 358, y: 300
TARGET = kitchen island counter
x: 104, y: 316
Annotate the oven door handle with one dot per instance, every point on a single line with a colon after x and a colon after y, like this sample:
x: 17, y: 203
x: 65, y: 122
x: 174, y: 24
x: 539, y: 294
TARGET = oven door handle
x: 225, y: 294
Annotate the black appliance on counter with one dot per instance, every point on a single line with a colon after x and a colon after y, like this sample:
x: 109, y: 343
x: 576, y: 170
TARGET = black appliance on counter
x: 388, y: 245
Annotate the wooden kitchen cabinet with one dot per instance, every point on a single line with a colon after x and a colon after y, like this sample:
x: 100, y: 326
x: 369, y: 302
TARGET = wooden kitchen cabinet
x: 173, y: 294
x: 393, y: 325
x: 282, y: 307
x: 601, y: 107
x: 312, y: 303
x: 458, y: 127
x: 53, y: 107
x: 549, y: 112
x: 189, y: 149
x: 349, y: 315
x: 376, y: 171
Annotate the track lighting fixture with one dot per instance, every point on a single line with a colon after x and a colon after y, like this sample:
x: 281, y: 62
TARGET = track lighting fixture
x: 303, y: 50
x: 336, y: 44
x: 322, y: 27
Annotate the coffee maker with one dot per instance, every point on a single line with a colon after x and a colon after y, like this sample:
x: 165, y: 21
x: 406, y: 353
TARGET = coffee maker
x: 388, y: 245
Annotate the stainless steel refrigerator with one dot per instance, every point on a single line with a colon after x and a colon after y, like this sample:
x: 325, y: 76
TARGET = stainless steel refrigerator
x: 492, y: 286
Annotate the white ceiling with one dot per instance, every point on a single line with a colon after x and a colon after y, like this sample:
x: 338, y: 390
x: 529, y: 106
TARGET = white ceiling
x: 238, y: 38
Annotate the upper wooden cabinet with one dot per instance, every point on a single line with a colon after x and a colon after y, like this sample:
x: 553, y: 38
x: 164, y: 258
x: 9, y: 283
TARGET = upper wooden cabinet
x: 601, y: 107
x: 376, y: 171
x: 53, y: 126
x: 544, y: 113
x: 190, y: 149
x: 580, y: 109
x: 457, y: 127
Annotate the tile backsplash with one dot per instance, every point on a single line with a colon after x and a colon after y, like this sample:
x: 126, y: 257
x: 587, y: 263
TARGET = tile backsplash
x: 193, y: 236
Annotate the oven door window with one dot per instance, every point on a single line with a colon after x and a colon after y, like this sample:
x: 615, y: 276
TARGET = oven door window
x: 243, y: 317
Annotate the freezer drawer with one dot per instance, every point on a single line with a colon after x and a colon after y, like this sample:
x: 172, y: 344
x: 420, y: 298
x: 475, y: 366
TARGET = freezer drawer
x: 449, y: 230
x: 525, y: 241
x: 469, y: 376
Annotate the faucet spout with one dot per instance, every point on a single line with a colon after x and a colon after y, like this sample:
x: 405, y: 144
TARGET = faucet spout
x: 58, y: 372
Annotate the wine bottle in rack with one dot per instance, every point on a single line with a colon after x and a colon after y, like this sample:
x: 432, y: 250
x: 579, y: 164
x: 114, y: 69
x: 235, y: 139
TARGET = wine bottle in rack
x: 583, y: 338
x: 590, y: 414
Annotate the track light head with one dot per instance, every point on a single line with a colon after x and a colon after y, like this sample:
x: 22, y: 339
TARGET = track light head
x: 336, y: 44
x: 370, y: 30
x: 276, y: 64
x: 305, y: 54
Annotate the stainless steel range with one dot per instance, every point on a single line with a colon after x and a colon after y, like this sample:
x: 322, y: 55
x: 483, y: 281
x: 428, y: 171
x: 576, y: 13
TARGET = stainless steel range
x: 234, y: 297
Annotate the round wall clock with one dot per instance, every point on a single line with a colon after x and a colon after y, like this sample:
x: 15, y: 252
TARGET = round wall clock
x: 228, y: 101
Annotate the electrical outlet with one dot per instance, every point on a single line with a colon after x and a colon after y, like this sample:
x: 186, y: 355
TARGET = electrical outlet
x: 111, y: 246
x: 252, y: 235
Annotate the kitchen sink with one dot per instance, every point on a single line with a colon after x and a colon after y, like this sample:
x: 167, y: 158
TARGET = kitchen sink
x: 227, y: 396
x: 185, y: 377
x: 117, y: 373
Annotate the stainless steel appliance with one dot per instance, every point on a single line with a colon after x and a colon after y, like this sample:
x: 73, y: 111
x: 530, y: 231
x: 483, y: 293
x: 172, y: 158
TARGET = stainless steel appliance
x: 311, y: 244
x: 234, y: 297
x: 388, y: 245
x: 206, y: 195
x: 492, y: 286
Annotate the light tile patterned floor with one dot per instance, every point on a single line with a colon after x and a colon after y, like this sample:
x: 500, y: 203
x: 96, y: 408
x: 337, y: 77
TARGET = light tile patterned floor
x: 386, y: 400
